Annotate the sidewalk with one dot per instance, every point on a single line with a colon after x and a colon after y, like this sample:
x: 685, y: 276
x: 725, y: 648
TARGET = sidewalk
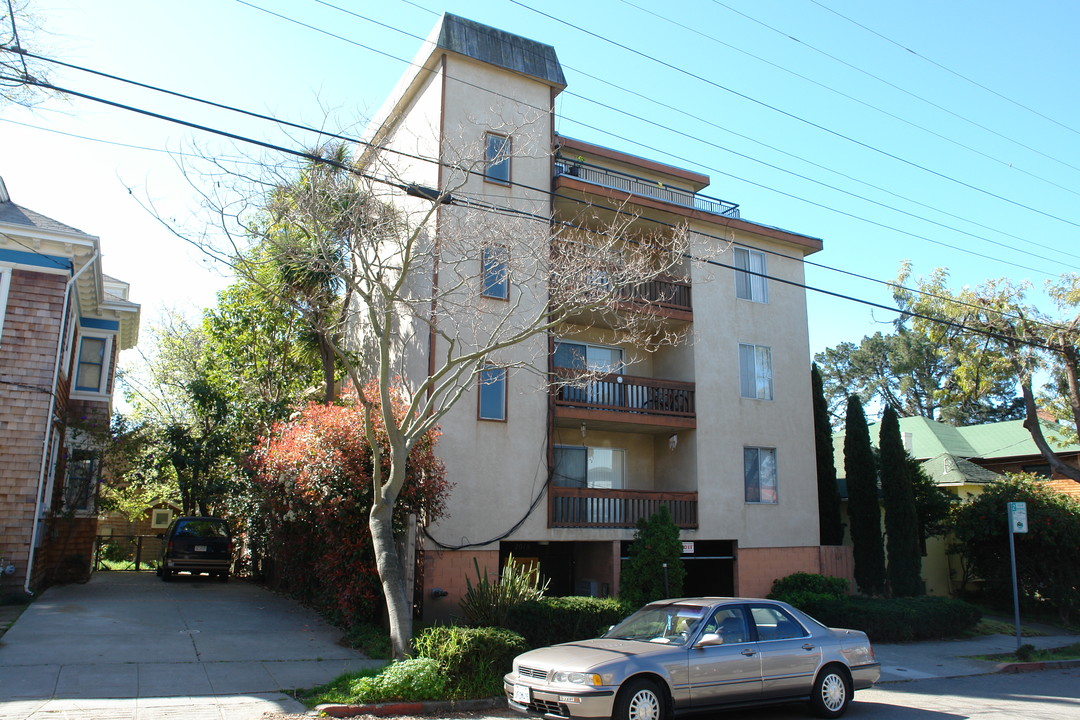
x: 951, y: 658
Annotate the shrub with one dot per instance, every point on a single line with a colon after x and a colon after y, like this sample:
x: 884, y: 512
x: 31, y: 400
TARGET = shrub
x: 413, y: 679
x: 656, y: 542
x: 474, y: 660
x: 895, y: 619
x: 549, y: 621
x: 486, y: 604
x: 802, y: 582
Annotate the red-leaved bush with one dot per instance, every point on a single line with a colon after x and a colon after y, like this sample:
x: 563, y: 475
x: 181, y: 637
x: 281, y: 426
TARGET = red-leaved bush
x: 315, y: 473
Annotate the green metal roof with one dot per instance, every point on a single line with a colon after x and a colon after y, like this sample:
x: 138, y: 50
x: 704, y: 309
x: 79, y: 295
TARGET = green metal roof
x: 930, y: 439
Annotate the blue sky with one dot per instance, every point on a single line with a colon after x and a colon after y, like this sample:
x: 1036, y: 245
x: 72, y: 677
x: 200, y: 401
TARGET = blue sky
x: 944, y: 133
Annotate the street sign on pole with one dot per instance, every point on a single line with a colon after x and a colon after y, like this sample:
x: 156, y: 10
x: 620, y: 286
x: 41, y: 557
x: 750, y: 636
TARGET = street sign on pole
x: 1017, y: 515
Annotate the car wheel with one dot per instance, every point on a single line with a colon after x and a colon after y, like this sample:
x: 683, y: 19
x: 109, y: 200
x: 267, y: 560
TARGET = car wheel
x: 640, y: 700
x: 832, y: 693
x: 166, y: 575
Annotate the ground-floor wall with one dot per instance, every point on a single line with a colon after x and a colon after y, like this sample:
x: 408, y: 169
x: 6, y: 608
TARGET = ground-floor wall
x: 714, y: 568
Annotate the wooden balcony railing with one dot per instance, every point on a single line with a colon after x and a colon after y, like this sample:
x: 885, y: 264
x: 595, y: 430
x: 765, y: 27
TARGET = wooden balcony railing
x: 597, y: 508
x: 625, y: 394
x: 671, y: 294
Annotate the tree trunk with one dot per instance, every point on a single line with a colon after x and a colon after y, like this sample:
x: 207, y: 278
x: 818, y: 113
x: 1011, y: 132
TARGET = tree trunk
x: 1031, y: 422
x: 1069, y: 364
x: 392, y: 575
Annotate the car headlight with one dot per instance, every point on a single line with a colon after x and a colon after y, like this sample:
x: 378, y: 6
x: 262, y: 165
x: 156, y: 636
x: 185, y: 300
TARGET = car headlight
x: 576, y: 678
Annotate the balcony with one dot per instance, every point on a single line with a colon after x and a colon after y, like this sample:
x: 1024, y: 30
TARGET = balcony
x: 624, y: 402
x: 648, y: 188
x: 600, y: 508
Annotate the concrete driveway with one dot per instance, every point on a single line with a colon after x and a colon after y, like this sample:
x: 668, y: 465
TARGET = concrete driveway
x: 127, y: 645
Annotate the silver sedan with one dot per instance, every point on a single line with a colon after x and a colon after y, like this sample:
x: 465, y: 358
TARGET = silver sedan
x: 695, y: 654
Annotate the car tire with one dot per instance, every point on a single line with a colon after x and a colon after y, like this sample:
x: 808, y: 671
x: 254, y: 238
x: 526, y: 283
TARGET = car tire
x: 640, y: 700
x: 166, y: 575
x: 832, y: 692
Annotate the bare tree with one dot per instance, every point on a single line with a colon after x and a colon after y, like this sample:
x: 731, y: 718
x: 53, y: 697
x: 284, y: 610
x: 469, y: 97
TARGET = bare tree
x: 20, y: 71
x: 436, y: 285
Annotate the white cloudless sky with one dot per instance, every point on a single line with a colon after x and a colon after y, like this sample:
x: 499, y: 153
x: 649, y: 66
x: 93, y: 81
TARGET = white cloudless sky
x: 944, y: 133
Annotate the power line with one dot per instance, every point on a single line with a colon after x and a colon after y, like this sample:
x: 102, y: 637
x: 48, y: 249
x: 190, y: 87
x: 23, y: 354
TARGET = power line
x: 947, y: 69
x: 406, y: 188
x: 842, y: 94
x: 797, y: 118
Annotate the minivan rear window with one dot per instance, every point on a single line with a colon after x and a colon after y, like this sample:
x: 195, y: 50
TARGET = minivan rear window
x: 201, y: 528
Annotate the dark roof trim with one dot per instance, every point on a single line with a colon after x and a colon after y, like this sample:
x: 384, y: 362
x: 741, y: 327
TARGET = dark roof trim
x: 500, y: 48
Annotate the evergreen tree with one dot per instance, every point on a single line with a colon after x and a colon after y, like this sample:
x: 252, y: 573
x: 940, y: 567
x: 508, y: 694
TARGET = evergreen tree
x: 863, y: 509
x: 656, y: 542
x: 831, y: 527
x: 901, y: 521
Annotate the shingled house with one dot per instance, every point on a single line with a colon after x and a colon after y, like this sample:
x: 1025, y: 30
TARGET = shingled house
x: 62, y: 324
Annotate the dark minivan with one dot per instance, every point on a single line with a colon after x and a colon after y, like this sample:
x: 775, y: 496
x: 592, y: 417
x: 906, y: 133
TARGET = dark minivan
x: 196, y: 545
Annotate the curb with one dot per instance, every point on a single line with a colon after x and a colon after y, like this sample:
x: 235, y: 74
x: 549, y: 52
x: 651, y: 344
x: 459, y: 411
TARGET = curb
x: 1022, y: 667
x: 428, y: 707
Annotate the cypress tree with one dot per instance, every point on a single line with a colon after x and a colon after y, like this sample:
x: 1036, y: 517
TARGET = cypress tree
x: 863, y: 509
x: 656, y: 542
x: 901, y: 520
x: 831, y: 527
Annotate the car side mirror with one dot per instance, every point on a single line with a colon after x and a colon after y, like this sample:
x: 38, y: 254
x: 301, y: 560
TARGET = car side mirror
x: 709, y: 639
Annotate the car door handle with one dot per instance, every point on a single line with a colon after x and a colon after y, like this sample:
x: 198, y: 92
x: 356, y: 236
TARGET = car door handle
x: 807, y: 646
x: 748, y: 652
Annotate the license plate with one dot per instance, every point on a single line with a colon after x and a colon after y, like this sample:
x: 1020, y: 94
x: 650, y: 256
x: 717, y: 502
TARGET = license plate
x: 521, y: 694
x: 200, y: 548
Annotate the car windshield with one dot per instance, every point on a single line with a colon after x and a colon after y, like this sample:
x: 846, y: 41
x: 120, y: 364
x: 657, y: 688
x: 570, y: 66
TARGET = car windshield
x: 667, y: 624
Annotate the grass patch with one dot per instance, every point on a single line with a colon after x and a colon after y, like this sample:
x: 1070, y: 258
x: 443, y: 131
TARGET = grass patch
x: 1030, y: 654
x: 999, y: 627
x: 342, y: 690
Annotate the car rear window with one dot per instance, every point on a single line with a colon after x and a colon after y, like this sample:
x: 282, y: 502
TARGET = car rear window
x: 202, y: 528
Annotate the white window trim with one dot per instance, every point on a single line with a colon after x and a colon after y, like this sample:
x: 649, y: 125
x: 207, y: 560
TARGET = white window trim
x: 5, y: 285
x: 750, y: 278
x: 760, y: 375
x: 106, y: 367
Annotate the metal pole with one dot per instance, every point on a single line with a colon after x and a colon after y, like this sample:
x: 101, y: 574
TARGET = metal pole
x: 667, y: 590
x: 1016, y: 593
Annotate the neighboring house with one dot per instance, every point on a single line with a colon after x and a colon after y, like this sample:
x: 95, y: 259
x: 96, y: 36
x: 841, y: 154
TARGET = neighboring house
x: 719, y: 428
x: 62, y: 324
x: 962, y: 460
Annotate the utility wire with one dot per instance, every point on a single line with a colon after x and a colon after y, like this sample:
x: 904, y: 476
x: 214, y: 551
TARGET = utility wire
x: 852, y: 98
x: 488, y: 206
x: 701, y: 140
x: 898, y: 88
x: 947, y: 69
x: 797, y: 118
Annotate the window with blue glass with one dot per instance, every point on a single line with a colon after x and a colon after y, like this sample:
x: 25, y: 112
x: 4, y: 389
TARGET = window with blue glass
x: 495, y: 280
x: 90, y: 372
x: 497, y: 158
x: 493, y: 393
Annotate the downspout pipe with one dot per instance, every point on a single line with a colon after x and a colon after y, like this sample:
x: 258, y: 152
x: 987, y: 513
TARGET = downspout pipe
x: 49, y: 420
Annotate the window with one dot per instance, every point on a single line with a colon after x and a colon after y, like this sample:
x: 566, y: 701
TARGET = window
x: 589, y: 467
x: 755, y: 372
x: 497, y: 149
x: 81, y: 483
x: 495, y: 277
x: 5, y: 283
x: 773, y: 623
x: 493, y: 393
x: 750, y: 286
x: 90, y: 372
x: 596, y: 359
x: 759, y: 474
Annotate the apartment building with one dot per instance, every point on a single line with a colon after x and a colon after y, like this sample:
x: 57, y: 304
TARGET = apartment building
x: 716, y: 425
x: 62, y: 324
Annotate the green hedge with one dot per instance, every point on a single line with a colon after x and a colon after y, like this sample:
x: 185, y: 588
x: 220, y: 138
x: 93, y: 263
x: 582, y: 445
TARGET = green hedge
x: 554, y: 620
x: 474, y: 659
x: 894, y: 619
